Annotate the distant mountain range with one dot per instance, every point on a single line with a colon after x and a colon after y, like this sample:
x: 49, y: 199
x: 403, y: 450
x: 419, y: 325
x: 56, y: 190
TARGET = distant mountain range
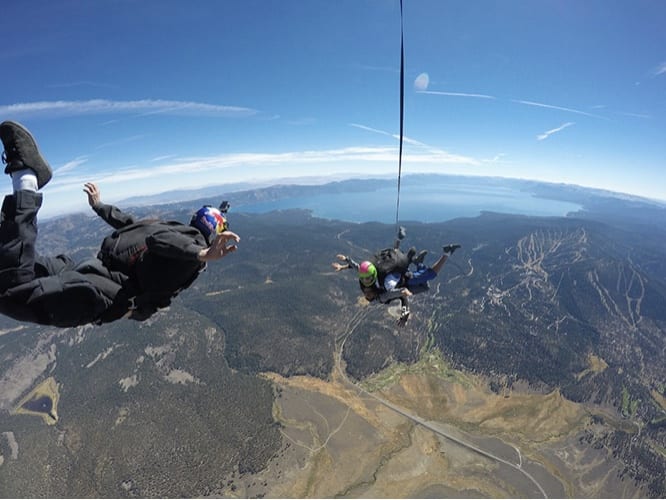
x: 564, y: 192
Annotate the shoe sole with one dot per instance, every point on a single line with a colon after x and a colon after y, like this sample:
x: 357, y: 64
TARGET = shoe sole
x: 43, y: 171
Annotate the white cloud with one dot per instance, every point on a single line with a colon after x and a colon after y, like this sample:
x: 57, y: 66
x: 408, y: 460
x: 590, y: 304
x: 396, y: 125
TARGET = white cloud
x: 548, y: 133
x: 406, y: 140
x: 71, y: 165
x: 498, y: 158
x: 559, y: 108
x: 435, y: 154
x: 370, y: 129
x: 104, y: 106
x: 185, y: 173
x: 660, y: 69
x: 456, y: 94
x: 634, y: 115
x: 162, y: 158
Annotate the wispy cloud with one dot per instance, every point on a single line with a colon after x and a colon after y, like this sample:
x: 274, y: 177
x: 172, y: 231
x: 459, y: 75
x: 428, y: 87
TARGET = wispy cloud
x: 434, y: 154
x: 188, y: 166
x: 498, y: 158
x: 162, y: 158
x: 634, y: 115
x: 660, y: 69
x: 71, y: 165
x: 518, y: 101
x: 103, y: 106
x: 388, y: 134
x: 370, y: 129
x: 559, y: 108
x: 455, y: 94
x: 548, y: 133
x: 406, y: 140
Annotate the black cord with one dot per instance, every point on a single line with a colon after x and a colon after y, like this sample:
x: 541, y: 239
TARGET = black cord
x: 402, y: 118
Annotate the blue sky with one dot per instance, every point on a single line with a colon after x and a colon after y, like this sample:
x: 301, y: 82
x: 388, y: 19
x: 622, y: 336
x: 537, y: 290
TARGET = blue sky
x: 148, y: 96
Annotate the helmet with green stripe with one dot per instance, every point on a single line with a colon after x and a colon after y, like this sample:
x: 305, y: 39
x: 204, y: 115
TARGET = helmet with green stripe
x: 367, y: 273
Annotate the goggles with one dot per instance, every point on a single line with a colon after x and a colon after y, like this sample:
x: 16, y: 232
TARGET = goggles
x: 367, y: 280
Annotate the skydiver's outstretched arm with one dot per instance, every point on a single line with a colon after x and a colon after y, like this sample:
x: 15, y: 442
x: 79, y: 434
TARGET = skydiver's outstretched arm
x: 349, y: 263
x: 113, y: 216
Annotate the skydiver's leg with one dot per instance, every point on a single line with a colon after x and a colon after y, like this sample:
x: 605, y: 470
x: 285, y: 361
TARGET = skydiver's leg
x: 18, y: 234
x: 18, y: 227
x: 421, y: 276
x: 46, y: 290
x: 41, y: 290
x: 437, y: 266
x: 410, y: 255
x: 418, y: 282
x: 447, y: 250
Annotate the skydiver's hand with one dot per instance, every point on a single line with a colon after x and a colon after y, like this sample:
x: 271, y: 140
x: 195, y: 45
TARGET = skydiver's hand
x: 219, y: 248
x: 341, y: 257
x: 228, y: 236
x: 338, y: 267
x: 94, y: 196
x: 406, y: 293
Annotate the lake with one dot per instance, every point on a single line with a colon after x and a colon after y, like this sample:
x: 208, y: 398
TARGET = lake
x: 421, y: 200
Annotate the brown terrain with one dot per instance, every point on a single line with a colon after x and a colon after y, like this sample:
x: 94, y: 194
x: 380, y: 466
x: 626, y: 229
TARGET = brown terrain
x: 460, y: 440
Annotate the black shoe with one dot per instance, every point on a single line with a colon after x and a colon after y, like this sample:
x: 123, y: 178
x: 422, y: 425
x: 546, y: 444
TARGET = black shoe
x: 410, y: 254
x: 419, y: 258
x: 21, y: 152
x: 402, y: 233
x: 449, y: 249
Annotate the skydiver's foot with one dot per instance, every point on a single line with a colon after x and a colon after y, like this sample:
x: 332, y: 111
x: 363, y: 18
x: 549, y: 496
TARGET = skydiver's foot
x: 449, y: 249
x: 410, y: 254
x: 402, y: 233
x: 419, y: 258
x: 21, y: 153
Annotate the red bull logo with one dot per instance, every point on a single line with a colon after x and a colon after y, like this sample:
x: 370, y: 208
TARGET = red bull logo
x: 220, y: 221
